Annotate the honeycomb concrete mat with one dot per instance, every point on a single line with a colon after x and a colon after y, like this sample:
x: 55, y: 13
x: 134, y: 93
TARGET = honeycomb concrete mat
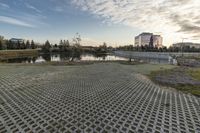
x: 99, y: 98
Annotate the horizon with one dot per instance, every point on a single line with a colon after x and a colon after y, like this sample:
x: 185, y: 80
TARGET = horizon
x: 114, y: 22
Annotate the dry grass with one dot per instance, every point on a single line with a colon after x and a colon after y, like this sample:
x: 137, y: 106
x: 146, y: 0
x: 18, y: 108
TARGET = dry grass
x: 195, y: 73
x: 186, y: 88
x: 10, y: 54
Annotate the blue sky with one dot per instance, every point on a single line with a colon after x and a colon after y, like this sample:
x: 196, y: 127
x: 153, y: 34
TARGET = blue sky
x: 113, y: 21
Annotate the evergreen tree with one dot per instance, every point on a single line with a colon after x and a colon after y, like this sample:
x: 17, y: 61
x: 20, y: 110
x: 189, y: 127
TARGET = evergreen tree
x: 46, y: 47
x: 9, y: 44
x: 67, y: 43
x: 28, y: 46
x: 32, y: 44
x: 61, y: 47
x: 18, y: 45
x: 23, y: 45
x: 1, y: 45
x: 1, y: 42
x: 61, y: 42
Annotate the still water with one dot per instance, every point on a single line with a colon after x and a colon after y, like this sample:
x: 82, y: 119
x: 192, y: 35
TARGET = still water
x: 64, y: 57
x: 59, y: 57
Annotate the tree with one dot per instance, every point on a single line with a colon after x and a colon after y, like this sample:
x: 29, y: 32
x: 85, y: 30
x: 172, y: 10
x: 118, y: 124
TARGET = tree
x: 1, y: 38
x: 32, y: 44
x: 61, y: 42
x: 67, y: 43
x: 55, y: 45
x: 18, y: 45
x: 28, y: 46
x: 1, y: 45
x: 76, y: 41
x: 104, y: 46
x: 61, y: 47
x: 151, y: 42
x: 76, y: 48
x: 1, y: 42
x: 9, y: 44
x: 46, y: 47
x: 23, y: 45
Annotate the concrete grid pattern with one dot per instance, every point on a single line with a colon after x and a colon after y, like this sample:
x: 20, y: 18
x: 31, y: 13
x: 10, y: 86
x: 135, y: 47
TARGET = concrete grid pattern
x: 101, y: 98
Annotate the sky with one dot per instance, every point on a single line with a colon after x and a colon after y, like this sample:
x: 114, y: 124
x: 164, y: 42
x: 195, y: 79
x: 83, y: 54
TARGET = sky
x: 115, y: 22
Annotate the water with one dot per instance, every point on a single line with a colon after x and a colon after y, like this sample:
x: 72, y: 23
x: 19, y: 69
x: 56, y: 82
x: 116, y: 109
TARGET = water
x: 155, y: 61
x: 65, y: 57
x: 58, y: 57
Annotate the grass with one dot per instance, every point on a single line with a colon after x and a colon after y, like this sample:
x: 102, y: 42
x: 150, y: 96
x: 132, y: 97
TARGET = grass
x: 147, y: 69
x: 186, y: 88
x: 10, y: 54
x: 130, y: 63
x: 195, y: 90
x: 64, y: 63
x: 195, y: 73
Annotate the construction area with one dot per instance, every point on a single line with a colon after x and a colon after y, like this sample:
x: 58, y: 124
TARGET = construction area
x: 96, y: 98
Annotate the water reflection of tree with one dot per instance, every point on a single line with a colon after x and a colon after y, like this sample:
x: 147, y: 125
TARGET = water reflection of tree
x: 46, y: 57
x: 103, y: 56
x: 76, y: 55
x: 34, y: 59
x: 65, y: 56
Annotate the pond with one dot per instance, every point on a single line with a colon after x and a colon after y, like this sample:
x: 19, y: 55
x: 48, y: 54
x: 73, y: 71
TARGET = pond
x: 57, y: 57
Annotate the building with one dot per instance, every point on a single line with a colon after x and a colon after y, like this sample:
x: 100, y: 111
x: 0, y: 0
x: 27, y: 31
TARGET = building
x: 15, y: 40
x: 187, y: 44
x: 157, y: 41
x: 144, y: 39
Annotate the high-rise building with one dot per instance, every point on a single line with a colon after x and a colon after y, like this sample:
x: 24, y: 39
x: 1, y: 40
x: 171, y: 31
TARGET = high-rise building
x: 157, y: 41
x: 144, y: 39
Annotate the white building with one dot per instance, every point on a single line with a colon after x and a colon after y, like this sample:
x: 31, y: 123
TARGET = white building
x: 157, y: 41
x: 144, y: 39
x: 187, y: 44
x: 16, y: 40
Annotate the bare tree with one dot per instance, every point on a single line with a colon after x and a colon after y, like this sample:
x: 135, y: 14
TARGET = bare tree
x: 76, y: 48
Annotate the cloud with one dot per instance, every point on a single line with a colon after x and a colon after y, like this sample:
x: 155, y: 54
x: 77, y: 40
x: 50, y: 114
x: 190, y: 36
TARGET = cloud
x: 33, y: 8
x: 58, y: 9
x: 14, y: 21
x: 170, y: 17
x: 4, y: 5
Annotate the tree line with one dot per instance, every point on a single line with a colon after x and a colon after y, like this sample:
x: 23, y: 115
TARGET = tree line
x: 6, y: 44
x: 64, y: 46
x: 148, y: 48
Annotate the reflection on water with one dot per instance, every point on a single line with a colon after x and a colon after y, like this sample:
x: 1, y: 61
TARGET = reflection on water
x: 154, y: 61
x: 64, y: 57
x: 84, y: 57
